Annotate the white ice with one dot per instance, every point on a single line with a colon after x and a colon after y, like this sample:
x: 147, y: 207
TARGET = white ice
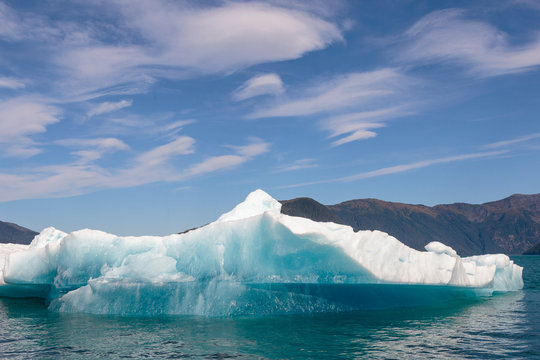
x: 212, y: 270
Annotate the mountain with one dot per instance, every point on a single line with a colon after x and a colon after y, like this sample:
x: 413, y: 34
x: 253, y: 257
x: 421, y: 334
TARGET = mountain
x: 510, y: 226
x: 13, y: 233
x: 535, y: 250
x: 311, y: 209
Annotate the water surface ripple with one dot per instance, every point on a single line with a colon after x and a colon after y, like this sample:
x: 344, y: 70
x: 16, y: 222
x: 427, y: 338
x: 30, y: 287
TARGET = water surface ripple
x: 504, y: 326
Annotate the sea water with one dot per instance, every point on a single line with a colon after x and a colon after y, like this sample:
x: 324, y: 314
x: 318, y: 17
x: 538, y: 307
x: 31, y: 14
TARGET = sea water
x: 501, y: 326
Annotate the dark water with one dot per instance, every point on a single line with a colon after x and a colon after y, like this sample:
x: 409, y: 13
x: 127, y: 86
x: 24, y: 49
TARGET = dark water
x: 504, y: 326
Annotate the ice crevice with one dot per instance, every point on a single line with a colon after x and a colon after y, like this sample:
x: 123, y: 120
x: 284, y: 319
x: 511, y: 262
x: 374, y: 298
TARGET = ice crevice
x: 251, y: 260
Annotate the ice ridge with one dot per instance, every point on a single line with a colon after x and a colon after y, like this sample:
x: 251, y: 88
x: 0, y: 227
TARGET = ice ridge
x: 252, y: 260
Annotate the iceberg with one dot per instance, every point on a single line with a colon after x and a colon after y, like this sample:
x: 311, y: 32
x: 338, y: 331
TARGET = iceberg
x: 251, y: 260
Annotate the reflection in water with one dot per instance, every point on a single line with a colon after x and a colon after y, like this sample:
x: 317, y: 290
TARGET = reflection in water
x: 494, y: 327
x: 504, y: 326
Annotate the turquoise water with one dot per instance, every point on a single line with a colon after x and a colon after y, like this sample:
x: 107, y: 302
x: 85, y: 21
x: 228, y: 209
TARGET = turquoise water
x: 503, y: 326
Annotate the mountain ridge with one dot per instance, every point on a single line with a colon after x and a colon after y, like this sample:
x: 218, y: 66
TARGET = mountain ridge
x: 16, y: 234
x: 510, y: 225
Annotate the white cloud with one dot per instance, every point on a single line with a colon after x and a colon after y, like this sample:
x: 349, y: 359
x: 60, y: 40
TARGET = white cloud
x: 254, y: 148
x: 229, y: 36
x: 419, y: 165
x: 84, y: 176
x: 11, y: 83
x: 178, y: 125
x: 19, y: 119
x: 106, y: 107
x: 14, y: 27
x: 140, y: 42
x: 299, y: 165
x: 520, y: 139
x: 22, y: 116
x: 355, y: 103
x: 401, y: 168
x: 359, y: 124
x: 216, y: 163
x: 93, y: 149
x: 178, y: 40
x: 182, y: 145
x: 339, y: 93
x: 449, y: 36
x: 243, y: 154
x: 171, y: 130
x: 100, y: 143
x: 264, y: 84
x: 23, y: 148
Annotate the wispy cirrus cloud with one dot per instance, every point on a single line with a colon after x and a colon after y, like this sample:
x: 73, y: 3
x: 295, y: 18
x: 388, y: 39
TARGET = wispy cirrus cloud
x: 339, y: 93
x: 154, y: 165
x: 229, y: 36
x: 179, y: 40
x: 353, y: 104
x: 400, y: 168
x: 505, y: 143
x: 263, y: 84
x: 299, y: 165
x: 450, y: 36
x: 107, y: 107
x: 15, y: 26
x: 140, y: 42
x: 11, y: 83
x: 242, y: 154
x: 182, y: 145
x: 22, y: 117
x: 92, y: 149
x: 418, y: 165
x: 100, y: 143
x: 359, y: 125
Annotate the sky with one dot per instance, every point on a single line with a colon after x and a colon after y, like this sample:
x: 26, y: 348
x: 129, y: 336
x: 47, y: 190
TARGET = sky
x: 152, y: 117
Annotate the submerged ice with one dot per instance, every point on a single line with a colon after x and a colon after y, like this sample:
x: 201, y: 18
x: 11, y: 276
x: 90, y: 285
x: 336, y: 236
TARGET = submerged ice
x: 252, y: 260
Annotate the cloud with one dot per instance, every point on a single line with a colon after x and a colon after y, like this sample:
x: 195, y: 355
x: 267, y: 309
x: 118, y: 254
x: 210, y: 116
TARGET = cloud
x: 19, y: 119
x: 140, y: 42
x: 256, y: 147
x: 448, y: 36
x: 11, y: 83
x: 401, y: 168
x: 22, y: 116
x: 182, y: 145
x: 48, y: 182
x: 100, y: 143
x: 264, y: 84
x: 93, y: 148
x: 341, y: 92
x: 154, y: 165
x: 419, y: 165
x: 359, y: 124
x: 106, y: 107
x: 505, y: 143
x: 299, y: 165
x: 178, y: 125
x: 162, y: 39
x: 354, y: 104
x: 229, y: 36
x: 14, y: 27
x: 243, y: 154
x: 172, y: 129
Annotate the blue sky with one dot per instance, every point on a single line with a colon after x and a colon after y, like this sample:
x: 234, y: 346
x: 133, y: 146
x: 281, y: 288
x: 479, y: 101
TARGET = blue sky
x: 150, y: 117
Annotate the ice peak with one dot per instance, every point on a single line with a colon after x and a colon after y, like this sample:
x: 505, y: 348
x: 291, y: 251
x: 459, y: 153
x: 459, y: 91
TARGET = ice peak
x: 439, y: 248
x: 46, y: 236
x: 256, y: 203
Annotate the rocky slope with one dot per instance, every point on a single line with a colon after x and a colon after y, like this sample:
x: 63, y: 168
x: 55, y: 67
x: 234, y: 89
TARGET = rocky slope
x: 510, y: 226
x: 13, y: 233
